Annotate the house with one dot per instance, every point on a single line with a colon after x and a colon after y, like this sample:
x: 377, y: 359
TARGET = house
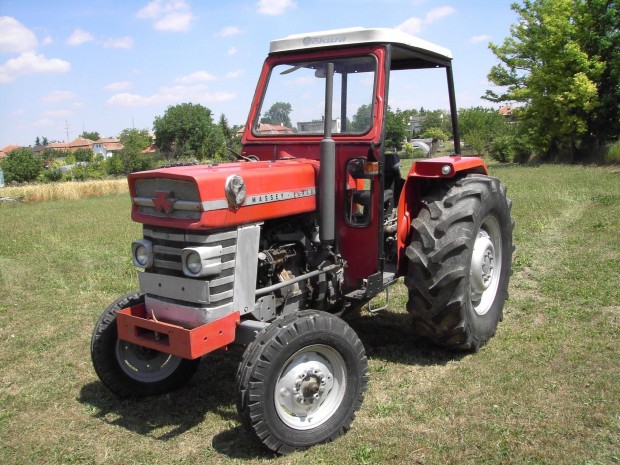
x: 415, y: 125
x: 151, y: 148
x: 6, y: 150
x: 77, y: 143
x: 264, y: 128
x: 317, y: 127
x: 107, y: 147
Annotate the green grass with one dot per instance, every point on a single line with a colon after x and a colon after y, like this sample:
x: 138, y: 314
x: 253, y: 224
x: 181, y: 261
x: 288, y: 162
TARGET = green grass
x: 545, y: 390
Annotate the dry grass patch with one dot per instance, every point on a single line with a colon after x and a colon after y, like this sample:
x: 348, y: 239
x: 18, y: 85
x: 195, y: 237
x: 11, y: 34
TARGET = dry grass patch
x: 65, y: 190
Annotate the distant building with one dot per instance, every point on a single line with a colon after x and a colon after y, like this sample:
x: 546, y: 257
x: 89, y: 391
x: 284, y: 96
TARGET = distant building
x: 506, y: 112
x: 317, y: 127
x: 107, y: 147
x: 6, y: 150
x: 415, y: 125
x: 264, y: 128
x: 77, y: 143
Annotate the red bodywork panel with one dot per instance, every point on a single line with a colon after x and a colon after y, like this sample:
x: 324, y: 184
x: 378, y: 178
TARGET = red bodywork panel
x: 274, y: 189
x: 408, y: 205
x: 134, y: 326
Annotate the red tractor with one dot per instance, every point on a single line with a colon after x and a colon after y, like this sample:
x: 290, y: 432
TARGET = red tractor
x: 313, y: 220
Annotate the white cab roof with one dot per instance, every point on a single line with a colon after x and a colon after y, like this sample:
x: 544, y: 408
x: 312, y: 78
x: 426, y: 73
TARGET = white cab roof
x: 356, y: 36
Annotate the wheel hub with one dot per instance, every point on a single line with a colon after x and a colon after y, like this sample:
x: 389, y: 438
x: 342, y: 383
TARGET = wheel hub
x: 309, y: 389
x: 486, y: 266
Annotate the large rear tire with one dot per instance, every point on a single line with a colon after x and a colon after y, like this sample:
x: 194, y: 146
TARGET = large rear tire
x: 301, y: 381
x: 460, y: 260
x: 129, y: 370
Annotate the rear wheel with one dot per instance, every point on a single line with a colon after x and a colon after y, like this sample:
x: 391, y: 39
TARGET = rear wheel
x: 129, y: 370
x: 460, y: 260
x: 301, y: 381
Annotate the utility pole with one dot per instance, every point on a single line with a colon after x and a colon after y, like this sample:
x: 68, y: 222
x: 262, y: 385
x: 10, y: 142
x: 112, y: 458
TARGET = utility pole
x: 67, y: 129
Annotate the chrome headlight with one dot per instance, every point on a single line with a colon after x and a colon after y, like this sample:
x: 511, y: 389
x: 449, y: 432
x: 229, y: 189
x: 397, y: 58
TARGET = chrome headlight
x: 201, y: 261
x: 235, y: 190
x: 142, y: 253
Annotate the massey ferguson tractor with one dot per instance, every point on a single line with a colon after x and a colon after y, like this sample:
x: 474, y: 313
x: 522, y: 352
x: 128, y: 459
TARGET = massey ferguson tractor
x: 313, y: 220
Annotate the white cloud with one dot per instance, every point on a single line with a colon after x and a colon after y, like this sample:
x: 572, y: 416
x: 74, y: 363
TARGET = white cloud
x: 198, y: 76
x: 57, y: 113
x: 231, y: 51
x: 31, y: 63
x: 123, y: 42
x: 15, y: 37
x: 58, y: 96
x: 43, y: 123
x: 228, y: 31
x: 234, y: 74
x: 171, y: 15
x: 116, y: 86
x: 438, y: 13
x: 171, y: 95
x: 47, y: 40
x: 175, y: 22
x: 480, y: 38
x: 275, y: 7
x: 79, y: 37
x: 414, y: 24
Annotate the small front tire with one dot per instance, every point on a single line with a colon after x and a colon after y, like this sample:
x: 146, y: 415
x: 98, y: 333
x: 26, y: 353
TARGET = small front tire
x: 301, y: 381
x: 129, y: 370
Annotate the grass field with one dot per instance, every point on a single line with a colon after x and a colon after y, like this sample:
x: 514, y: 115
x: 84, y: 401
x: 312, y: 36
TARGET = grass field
x: 545, y: 390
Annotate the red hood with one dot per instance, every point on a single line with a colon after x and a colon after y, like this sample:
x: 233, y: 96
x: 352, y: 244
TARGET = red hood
x: 193, y: 197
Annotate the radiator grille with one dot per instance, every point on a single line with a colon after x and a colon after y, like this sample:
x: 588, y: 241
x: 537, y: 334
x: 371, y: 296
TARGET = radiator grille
x: 168, y: 244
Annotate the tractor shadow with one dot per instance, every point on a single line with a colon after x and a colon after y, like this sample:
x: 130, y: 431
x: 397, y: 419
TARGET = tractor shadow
x: 388, y: 336
x: 385, y: 335
x: 211, y: 391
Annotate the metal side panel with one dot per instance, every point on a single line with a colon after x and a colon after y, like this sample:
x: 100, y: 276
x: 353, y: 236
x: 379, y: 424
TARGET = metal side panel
x: 246, y: 264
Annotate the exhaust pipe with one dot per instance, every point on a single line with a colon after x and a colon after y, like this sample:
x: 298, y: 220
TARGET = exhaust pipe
x: 327, y: 176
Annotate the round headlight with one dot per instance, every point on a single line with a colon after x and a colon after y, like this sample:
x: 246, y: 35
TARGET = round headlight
x: 235, y: 190
x: 193, y: 262
x: 141, y: 255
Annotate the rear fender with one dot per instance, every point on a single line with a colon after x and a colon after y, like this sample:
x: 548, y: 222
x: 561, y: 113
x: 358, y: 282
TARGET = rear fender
x: 422, y: 176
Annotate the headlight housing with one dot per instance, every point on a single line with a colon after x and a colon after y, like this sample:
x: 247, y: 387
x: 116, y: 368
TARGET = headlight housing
x: 142, y: 253
x: 201, y: 261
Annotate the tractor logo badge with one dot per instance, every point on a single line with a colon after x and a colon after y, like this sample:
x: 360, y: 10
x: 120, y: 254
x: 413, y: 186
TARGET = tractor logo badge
x: 164, y: 201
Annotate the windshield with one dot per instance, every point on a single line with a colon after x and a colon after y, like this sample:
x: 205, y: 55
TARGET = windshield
x: 294, y: 101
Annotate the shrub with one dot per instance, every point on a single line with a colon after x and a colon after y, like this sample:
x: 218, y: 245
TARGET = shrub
x: 83, y: 155
x: 21, y: 165
x: 613, y: 153
x: 434, y: 133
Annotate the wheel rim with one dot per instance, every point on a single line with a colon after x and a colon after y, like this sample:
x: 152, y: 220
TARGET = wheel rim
x: 486, y: 266
x: 310, y: 388
x: 143, y: 364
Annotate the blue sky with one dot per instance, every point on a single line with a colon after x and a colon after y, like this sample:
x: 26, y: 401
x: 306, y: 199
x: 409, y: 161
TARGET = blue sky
x: 109, y: 65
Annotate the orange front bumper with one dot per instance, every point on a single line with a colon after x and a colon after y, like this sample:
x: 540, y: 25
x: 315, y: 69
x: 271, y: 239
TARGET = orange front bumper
x: 134, y: 326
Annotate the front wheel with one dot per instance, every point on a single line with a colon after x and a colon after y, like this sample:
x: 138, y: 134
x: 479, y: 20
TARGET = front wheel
x: 301, y: 381
x: 460, y: 259
x: 129, y: 370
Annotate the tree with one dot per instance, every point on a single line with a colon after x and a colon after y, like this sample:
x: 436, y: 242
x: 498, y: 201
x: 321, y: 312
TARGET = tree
x: 21, y: 165
x: 187, y: 130
x: 135, y: 139
x: 130, y: 157
x: 480, y: 126
x: 362, y: 119
x: 90, y: 135
x: 84, y: 155
x: 561, y: 62
x: 278, y: 114
x: 397, y: 129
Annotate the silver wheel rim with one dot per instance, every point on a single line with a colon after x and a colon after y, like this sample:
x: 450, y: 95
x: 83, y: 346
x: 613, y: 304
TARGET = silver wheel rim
x: 310, y: 387
x: 486, y: 265
x: 145, y: 365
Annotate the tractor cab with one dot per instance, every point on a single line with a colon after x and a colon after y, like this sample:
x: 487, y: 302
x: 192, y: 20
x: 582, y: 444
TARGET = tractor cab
x: 336, y: 82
